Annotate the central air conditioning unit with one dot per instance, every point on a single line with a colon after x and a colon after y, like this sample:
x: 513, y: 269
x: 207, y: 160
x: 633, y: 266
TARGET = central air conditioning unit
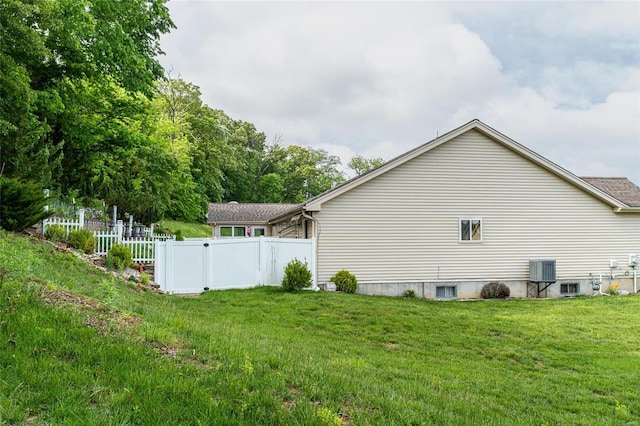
x: 542, y: 271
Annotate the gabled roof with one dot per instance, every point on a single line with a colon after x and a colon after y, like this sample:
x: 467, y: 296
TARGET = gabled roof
x: 315, y: 204
x: 245, y: 213
x: 620, y: 188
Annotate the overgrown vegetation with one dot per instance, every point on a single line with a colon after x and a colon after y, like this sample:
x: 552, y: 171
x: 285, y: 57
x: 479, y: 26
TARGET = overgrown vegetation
x: 495, y: 290
x: 78, y: 347
x: 345, y: 281
x: 296, y: 276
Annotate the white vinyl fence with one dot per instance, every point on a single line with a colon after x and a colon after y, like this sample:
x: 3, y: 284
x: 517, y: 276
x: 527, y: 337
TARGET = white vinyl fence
x: 193, y: 266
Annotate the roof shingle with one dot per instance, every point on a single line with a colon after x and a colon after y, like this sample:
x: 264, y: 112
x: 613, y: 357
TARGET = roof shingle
x: 620, y: 188
x: 245, y: 213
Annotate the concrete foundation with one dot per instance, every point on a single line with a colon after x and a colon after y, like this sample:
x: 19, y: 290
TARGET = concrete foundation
x: 471, y: 289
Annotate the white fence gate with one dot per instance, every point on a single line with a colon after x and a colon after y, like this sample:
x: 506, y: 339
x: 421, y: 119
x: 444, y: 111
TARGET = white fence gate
x: 193, y: 266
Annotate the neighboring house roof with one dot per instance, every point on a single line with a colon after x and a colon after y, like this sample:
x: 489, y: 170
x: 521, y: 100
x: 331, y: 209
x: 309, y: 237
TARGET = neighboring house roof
x: 315, y: 203
x: 620, y: 188
x: 245, y: 213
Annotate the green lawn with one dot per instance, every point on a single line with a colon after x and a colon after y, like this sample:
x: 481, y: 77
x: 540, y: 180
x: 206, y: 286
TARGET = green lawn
x: 189, y: 230
x: 120, y: 355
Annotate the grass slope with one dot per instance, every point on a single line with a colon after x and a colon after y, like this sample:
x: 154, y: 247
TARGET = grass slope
x: 77, y: 347
x: 188, y: 230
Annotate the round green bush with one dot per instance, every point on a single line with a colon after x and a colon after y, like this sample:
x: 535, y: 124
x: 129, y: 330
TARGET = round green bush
x: 55, y: 233
x: 345, y: 281
x: 296, y: 276
x: 495, y: 290
x: 82, y: 239
x: 409, y: 294
x: 119, y: 256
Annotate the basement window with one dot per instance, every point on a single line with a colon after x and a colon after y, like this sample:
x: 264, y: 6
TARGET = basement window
x: 569, y: 289
x: 446, y: 292
x: 470, y: 229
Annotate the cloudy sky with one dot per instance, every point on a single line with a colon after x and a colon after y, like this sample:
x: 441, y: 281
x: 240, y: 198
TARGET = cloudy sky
x: 379, y: 78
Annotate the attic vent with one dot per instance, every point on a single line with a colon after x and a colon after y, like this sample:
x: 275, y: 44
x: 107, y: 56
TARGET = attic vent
x: 542, y: 271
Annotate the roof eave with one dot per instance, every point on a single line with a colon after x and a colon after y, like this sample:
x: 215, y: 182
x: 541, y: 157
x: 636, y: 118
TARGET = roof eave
x: 236, y: 222
x: 624, y: 210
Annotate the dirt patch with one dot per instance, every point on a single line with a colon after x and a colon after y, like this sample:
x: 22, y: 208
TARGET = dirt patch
x: 170, y: 351
x: 99, y: 316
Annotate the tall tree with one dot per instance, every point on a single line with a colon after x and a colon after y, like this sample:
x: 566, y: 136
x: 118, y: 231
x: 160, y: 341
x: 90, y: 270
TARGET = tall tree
x: 48, y: 45
x: 307, y: 172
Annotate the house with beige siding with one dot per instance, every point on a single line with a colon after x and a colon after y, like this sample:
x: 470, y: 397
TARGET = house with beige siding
x: 233, y: 220
x: 470, y: 207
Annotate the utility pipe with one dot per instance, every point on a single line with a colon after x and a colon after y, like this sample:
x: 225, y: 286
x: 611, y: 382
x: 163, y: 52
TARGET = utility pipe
x: 316, y: 234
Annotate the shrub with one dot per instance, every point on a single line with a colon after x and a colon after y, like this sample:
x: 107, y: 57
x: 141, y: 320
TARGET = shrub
x: 82, y: 239
x: 495, y: 290
x: 119, y: 256
x: 144, y: 278
x: 409, y: 294
x: 179, y: 236
x: 345, y: 281
x: 55, y: 233
x: 296, y: 276
x: 21, y: 204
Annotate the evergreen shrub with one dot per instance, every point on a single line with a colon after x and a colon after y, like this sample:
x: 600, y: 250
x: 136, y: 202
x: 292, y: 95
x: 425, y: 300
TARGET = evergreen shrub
x: 21, y: 204
x: 55, y: 232
x: 119, y: 256
x: 345, y: 281
x: 409, y: 294
x: 296, y: 276
x: 82, y: 239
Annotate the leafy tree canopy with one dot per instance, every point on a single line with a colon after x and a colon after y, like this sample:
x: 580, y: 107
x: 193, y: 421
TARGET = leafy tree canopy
x: 361, y: 165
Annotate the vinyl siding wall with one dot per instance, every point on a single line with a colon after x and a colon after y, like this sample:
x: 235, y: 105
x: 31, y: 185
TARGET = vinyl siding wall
x: 403, y: 226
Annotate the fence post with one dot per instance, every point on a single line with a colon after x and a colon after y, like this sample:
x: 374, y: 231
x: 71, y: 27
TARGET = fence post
x: 130, y: 229
x: 81, y: 218
x: 46, y: 209
x: 262, y: 264
x: 151, y: 230
x: 119, y: 229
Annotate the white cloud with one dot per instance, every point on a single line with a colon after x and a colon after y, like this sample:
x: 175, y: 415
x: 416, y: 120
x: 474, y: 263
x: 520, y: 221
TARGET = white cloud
x: 377, y: 79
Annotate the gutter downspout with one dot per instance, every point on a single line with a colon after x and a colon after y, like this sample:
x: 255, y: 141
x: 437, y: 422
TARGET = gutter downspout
x: 316, y: 234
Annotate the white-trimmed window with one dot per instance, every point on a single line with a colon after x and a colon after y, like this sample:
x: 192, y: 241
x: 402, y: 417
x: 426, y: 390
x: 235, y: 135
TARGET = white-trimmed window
x: 446, y: 292
x: 470, y: 229
x: 233, y: 231
x: 258, y: 231
x: 568, y: 289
